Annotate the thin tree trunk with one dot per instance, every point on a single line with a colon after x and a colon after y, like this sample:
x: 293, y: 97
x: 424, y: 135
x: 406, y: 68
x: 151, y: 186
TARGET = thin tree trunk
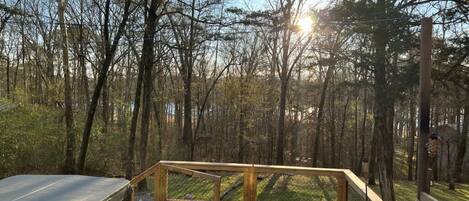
x: 333, y: 130
x: 355, y: 161
x: 69, y: 156
x: 147, y: 61
x: 187, y: 64
x: 342, y: 131
x: 373, y: 155
x: 436, y: 123
x: 159, y: 113
x: 363, y: 130
x: 411, y: 141
x: 105, y: 107
x: 241, y: 125
x: 297, y: 119
x: 8, y: 76
x: 81, y: 60
x: 281, y: 121
x: 462, y: 142
x: 284, y: 75
x: 318, y: 133
x: 187, y: 119
x: 271, y: 101
x: 110, y: 50
x: 133, y: 124
x: 15, y: 74
x: 23, y: 51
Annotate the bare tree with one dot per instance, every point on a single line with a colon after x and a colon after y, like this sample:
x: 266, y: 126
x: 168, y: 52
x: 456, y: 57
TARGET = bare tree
x: 110, y: 48
x: 69, y: 159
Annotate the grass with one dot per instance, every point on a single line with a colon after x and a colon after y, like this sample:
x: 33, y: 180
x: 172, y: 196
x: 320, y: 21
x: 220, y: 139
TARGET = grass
x: 288, y: 187
x: 295, y: 188
x: 407, y: 191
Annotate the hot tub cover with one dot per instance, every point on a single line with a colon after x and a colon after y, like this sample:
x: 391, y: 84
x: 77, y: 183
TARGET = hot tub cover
x: 62, y: 188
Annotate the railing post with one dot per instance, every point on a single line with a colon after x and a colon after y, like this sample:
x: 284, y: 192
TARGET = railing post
x: 250, y: 184
x: 161, y: 183
x: 342, y: 189
x: 132, y: 193
x: 216, y: 190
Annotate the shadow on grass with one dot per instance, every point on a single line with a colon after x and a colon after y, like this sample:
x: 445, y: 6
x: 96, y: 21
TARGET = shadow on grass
x: 234, y: 191
x: 296, y: 188
x: 270, y: 185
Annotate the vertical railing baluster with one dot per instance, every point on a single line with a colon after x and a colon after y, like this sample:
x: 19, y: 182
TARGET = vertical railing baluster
x: 250, y: 184
x: 161, y: 183
x: 342, y: 188
x: 132, y: 193
x: 216, y: 190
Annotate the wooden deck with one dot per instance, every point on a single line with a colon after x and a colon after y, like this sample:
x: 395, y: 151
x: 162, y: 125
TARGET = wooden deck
x: 345, y: 178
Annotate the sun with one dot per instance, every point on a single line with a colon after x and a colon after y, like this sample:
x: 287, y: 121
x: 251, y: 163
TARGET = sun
x: 305, y: 24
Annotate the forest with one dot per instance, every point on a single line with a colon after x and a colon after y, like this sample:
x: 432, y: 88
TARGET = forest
x: 110, y: 87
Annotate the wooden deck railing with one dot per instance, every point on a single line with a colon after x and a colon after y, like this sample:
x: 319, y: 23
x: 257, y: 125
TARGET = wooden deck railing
x: 345, y: 177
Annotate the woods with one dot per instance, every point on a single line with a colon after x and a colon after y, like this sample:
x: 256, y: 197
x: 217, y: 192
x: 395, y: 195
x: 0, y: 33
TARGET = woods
x: 111, y: 87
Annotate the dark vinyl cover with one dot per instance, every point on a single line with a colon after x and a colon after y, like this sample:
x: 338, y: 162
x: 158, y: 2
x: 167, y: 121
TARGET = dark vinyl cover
x: 62, y: 188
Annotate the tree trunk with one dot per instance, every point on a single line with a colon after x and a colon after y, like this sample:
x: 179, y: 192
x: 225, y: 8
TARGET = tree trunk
x: 105, y: 107
x: 462, y: 142
x: 342, y: 131
x: 355, y: 161
x: 363, y: 130
x: 318, y: 134
x: 385, y: 139
x: 159, y: 115
x: 187, y: 121
x: 333, y: 131
x: 437, y: 159
x: 81, y: 60
x: 102, y: 76
x: 411, y: 140
x: 424, y: 159
x: 187, y: 63
x: 147, y: 61
x: 8, y: 76
x: 15, y: 74
x: 281, y: 121
x: 271, y: 101
x: 297, y: 119
x: 241, y: 121
x: 69, y: 156
x: 373, y: 158
x: 133, y: 124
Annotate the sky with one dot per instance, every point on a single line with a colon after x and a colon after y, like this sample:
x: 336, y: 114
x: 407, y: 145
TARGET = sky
x: 263, y: 4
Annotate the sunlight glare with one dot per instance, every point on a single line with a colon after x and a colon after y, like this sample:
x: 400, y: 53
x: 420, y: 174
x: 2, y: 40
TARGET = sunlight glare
x: 305, y: 24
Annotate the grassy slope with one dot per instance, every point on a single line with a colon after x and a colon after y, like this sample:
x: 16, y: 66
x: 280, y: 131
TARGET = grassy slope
x: 407, y: 191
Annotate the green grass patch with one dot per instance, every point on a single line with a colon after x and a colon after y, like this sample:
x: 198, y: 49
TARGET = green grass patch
x: 297, y: 187
x: 407, y: 191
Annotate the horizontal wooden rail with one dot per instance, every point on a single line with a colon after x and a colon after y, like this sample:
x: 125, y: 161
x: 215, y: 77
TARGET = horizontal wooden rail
x: 237, y: 167
x: 360, y: 187
x: 344, y: 177
x: 190, y: 172
x: 137, y: 179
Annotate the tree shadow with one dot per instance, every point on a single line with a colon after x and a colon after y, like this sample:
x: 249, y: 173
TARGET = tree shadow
x: 284, y: 182
x: 270, y: 185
